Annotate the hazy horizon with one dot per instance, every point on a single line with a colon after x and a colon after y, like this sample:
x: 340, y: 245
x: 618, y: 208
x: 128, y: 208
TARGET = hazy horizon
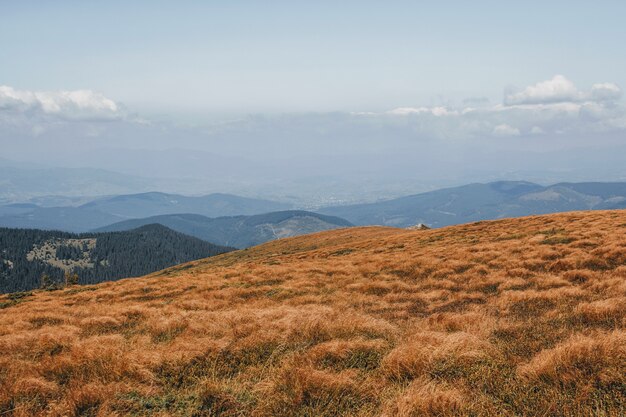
x: 316, y: 102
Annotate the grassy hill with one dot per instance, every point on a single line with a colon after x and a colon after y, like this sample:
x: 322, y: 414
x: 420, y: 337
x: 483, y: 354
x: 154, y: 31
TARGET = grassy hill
x: 513, y: 317
x: 239, y: 231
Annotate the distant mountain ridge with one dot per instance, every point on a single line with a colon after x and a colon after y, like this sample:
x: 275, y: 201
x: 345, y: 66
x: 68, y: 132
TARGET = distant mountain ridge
x: 156, y: 203
x: 438, y: 208
x: 67, y: 219
x: 26, y: 254
x: 474, y: 202
x: 20, y: 181
x: 109, y: 210
x: 240, y: 231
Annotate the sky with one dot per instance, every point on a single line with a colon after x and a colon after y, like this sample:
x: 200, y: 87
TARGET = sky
x: 416, y: 93
x: 196, y: 59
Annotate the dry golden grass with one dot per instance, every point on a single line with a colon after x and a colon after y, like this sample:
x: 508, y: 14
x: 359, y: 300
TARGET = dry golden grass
x: 521, y: 317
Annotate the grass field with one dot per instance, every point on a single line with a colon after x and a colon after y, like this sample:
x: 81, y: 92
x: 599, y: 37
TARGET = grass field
x: 514, y: 317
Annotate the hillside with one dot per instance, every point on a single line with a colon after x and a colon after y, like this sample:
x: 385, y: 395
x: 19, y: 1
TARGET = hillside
x: 240, y: 231
x: 26, y: 255
x: 475, y: 202
x: 512, y: 317
x: 109, y: 210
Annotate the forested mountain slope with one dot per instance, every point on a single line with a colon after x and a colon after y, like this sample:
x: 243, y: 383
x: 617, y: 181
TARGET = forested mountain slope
x: 27, y: 255
x: 240, y: 231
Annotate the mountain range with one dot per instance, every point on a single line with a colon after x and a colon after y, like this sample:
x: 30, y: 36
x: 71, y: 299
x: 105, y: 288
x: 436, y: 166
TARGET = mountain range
x: 108, y: 210
x: 222, y: 218
x: 239, y: 231
x: 474, y: 202
x: 155, y: 204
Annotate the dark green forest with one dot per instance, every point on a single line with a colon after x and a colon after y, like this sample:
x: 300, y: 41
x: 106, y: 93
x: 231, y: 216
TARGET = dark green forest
x: 115, y: 255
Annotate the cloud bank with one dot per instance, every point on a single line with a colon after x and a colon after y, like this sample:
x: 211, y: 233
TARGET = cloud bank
x: 561, y: 90
x: 550, y: 108
x: 549, y: 131
x: 557, y: 90
x: 554, y: 106
x: 66, y: 105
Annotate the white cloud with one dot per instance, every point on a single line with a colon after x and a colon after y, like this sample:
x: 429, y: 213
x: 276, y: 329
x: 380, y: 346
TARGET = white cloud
x: 549, y: 108
x: 435, y: 111
x: 505, y: 130
x: 558, y: 89
x: 536, y: 130
x: 554, y: 106
x: 405, y: 111
x: 561, y: 90
x: 69, y: 105
x: 605, y: 92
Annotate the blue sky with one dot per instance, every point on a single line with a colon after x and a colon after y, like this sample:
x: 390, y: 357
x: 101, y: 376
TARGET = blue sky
x: 195, y: 60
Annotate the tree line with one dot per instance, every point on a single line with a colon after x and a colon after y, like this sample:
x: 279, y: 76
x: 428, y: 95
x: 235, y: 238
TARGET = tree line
x: 115, y: 255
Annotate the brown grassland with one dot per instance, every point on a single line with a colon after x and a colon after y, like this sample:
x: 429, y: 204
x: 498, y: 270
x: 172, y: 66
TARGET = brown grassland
x: 519, y: 317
